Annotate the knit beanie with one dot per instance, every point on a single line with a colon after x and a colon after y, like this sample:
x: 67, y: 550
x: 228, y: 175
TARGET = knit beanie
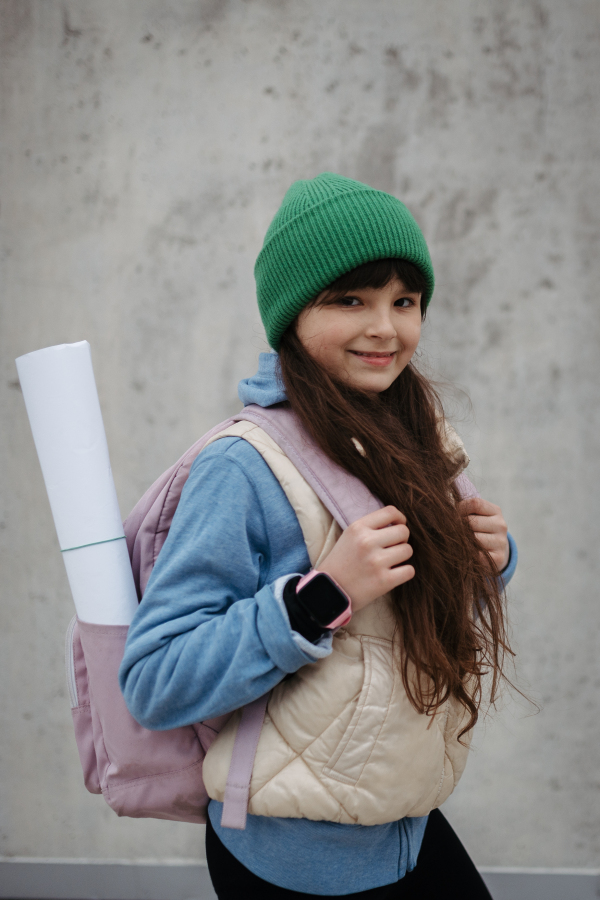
x: 325, y: 227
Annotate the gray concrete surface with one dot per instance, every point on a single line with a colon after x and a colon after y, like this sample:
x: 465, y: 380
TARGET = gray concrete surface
x: 106, y: 880
x: 145, y: 147
x: 58, y: 879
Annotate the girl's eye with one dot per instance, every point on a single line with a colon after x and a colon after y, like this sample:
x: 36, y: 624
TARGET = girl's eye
x: 404, y: 302
x: 349, y: 301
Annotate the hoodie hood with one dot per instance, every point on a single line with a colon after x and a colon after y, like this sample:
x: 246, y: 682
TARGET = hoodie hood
x: 265, y: 388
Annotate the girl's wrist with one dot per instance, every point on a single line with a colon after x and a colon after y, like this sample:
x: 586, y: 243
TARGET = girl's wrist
x: 316, y: 605
x: 325, y: 600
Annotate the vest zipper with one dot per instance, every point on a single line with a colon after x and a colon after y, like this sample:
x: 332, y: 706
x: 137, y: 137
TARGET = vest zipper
x: 70, y: 665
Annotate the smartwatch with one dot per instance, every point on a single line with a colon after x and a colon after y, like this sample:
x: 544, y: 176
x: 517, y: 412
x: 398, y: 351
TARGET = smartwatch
x: 324, y: 600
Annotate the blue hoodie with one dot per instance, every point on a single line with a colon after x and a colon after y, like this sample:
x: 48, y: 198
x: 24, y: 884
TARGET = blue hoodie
x: 212, y: 634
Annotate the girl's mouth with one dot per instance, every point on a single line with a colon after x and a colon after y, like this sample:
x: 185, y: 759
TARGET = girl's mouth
x: 375, y: 359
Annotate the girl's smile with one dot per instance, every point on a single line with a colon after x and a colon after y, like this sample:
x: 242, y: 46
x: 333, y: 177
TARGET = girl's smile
x: 364, y: 337
x: 374, y: 359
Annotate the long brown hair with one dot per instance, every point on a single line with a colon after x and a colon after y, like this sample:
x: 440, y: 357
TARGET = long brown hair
x: 450, y: 617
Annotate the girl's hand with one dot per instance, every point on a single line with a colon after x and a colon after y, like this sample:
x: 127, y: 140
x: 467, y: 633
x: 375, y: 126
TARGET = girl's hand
x: 368, y: 560
x: 489, y: 526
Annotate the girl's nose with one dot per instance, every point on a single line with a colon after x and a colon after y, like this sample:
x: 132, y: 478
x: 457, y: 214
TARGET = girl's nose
x: 381, y: 326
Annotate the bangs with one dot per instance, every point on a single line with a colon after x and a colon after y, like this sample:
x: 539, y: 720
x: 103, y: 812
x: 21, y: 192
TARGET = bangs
x: 378, y: 274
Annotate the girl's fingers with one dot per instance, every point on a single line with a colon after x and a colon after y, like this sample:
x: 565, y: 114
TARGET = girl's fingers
x: 401, y: 575
x: 489, y: 541
x: 499, y: 559
x: 382, y: 518
x: 397, y: 555
x: 477, y: 506
x: 487, y: 524
x: 497, y: 548
x: 394, y: 534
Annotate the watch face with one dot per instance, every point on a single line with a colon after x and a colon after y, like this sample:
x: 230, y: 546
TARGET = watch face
x: 323, y: 600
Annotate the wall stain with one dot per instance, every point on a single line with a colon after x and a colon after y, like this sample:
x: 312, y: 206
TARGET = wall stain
x: 406, y: 77
x: 15, y: 25
x: 461, y: 212
x: 376, y: 163
x: 440, y: 95
x: 494, y: 335
x: 513, y: 39
x: 190, y: 222
x: 68, y: 31
x: 475, y: 273
x: 212, y: 12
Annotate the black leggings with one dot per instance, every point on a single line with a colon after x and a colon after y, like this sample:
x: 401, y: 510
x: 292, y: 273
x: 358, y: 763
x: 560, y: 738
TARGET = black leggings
x: 444, y: 871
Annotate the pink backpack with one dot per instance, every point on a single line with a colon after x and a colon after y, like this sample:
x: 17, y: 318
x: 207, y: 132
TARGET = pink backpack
x: 158, y: 774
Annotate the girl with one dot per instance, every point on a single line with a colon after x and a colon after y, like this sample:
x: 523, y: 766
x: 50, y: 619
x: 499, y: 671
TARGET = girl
x: 368, y: 724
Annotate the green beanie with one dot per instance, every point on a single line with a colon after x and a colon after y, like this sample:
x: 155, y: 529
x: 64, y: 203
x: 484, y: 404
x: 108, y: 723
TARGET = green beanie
x: 324, y: 228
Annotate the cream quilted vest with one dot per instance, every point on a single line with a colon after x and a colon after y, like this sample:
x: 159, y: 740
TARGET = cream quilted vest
x: 341, y: 741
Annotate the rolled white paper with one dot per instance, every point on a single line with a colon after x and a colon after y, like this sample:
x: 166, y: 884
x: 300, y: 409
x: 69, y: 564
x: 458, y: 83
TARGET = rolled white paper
x: 102, y: 584
x: 64, y: 412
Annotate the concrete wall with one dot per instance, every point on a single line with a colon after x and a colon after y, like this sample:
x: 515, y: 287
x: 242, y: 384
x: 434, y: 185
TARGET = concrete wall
x: 146, y: 146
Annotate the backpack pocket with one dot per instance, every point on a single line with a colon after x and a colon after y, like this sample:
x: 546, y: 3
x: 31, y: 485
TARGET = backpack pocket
x: 143, y: 773
x: 81, y: 711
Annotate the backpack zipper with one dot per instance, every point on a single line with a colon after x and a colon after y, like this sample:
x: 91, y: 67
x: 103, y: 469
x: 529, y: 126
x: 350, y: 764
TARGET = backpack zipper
x: 70, y: 664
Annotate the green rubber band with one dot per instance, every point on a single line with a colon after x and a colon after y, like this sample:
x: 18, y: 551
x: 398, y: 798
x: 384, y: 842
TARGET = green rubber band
x: 94, y: 543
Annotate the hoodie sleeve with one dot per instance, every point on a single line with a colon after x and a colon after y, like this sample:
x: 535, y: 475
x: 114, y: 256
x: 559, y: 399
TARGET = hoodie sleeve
x: 509, y: 569
x: 212, y: 631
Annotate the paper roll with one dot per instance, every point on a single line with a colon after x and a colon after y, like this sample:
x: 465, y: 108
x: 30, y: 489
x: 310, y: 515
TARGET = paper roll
x: 102, y: 584
x: 64, y: 412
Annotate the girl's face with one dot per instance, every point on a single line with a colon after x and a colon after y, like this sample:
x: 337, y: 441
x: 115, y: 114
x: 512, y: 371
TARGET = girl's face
x: 364, y: 338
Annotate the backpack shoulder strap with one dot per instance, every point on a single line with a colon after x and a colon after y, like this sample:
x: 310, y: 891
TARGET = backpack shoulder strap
x: 344, y: 495
x: 147, y: 525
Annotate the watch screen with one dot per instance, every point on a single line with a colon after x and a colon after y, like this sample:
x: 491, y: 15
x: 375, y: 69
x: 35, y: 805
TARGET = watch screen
x: 322, y: 600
